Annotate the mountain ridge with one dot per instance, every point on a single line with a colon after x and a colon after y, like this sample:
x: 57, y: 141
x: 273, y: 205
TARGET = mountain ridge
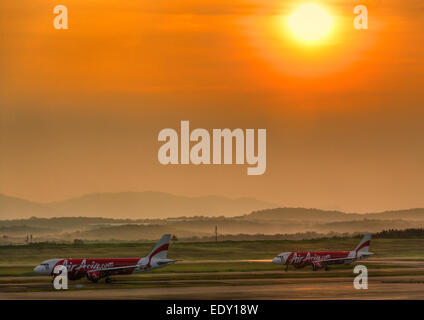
x: 160, y: 205
x: 131, y: 204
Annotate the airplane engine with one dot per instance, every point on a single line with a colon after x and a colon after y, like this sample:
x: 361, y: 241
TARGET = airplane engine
x: 94, y: 276
x: 317, y: 265
x: 76, y: 276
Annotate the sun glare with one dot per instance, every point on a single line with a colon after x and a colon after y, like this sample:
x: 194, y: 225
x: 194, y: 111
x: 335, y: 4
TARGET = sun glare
x: 310, y: 22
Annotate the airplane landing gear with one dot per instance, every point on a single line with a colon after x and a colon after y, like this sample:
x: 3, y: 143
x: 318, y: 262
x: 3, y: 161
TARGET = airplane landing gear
x: 108, y: 280
x: 327, y: 268
x: 287, y: 268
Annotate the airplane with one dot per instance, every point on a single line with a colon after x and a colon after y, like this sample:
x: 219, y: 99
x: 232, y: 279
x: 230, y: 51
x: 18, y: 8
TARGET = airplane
x: 324, y: 258
x: 96, y: 269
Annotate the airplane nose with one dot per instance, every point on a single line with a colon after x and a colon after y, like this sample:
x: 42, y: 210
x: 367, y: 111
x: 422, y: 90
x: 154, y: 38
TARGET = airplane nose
x: 41, y: 269
x: 276, y: 260
x: 38, y: 269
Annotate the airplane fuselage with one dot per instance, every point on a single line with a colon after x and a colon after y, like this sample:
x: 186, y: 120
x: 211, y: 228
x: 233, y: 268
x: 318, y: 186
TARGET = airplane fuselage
x: 91, y: 268
x: 305, y: 258
x: 320, y: 259
x: 97, y: 268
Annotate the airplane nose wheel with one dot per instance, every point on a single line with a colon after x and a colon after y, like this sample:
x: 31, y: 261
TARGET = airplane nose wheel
x: 108, y: 280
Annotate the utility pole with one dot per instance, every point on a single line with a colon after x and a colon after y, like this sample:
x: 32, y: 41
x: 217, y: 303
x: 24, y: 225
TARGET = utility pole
x: 216, y: 233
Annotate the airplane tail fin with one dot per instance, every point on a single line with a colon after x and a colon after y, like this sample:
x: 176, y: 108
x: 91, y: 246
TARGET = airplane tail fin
x: 364, y: 245
x: 161, y: 248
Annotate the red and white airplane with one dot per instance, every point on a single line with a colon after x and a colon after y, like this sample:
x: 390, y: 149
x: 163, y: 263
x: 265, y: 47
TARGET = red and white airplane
x: 95, y: 269
x: 324, y: 258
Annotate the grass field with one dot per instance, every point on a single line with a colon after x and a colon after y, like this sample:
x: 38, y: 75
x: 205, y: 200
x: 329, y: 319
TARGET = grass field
x: 226, y: 250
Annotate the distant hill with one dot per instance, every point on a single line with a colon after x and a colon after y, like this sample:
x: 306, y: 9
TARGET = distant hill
x: 317, y: 215
x: 131, y: 233
x: 158, y: 205
x: 13, y: 208
x: 265, y: 222
x: 416, y: 214
x: 134, y: 205
x: 302, y: 214
x: 133, y: 216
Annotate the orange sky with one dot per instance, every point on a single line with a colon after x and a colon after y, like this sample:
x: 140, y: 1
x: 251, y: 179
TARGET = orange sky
x: 80, y: 110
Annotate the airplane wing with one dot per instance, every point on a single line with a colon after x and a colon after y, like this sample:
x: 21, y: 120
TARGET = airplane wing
x: 351, y: 259
x: 106, y: 270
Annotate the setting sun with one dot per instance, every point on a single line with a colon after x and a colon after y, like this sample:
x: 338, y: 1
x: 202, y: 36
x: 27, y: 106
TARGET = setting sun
x: 310, y: 22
